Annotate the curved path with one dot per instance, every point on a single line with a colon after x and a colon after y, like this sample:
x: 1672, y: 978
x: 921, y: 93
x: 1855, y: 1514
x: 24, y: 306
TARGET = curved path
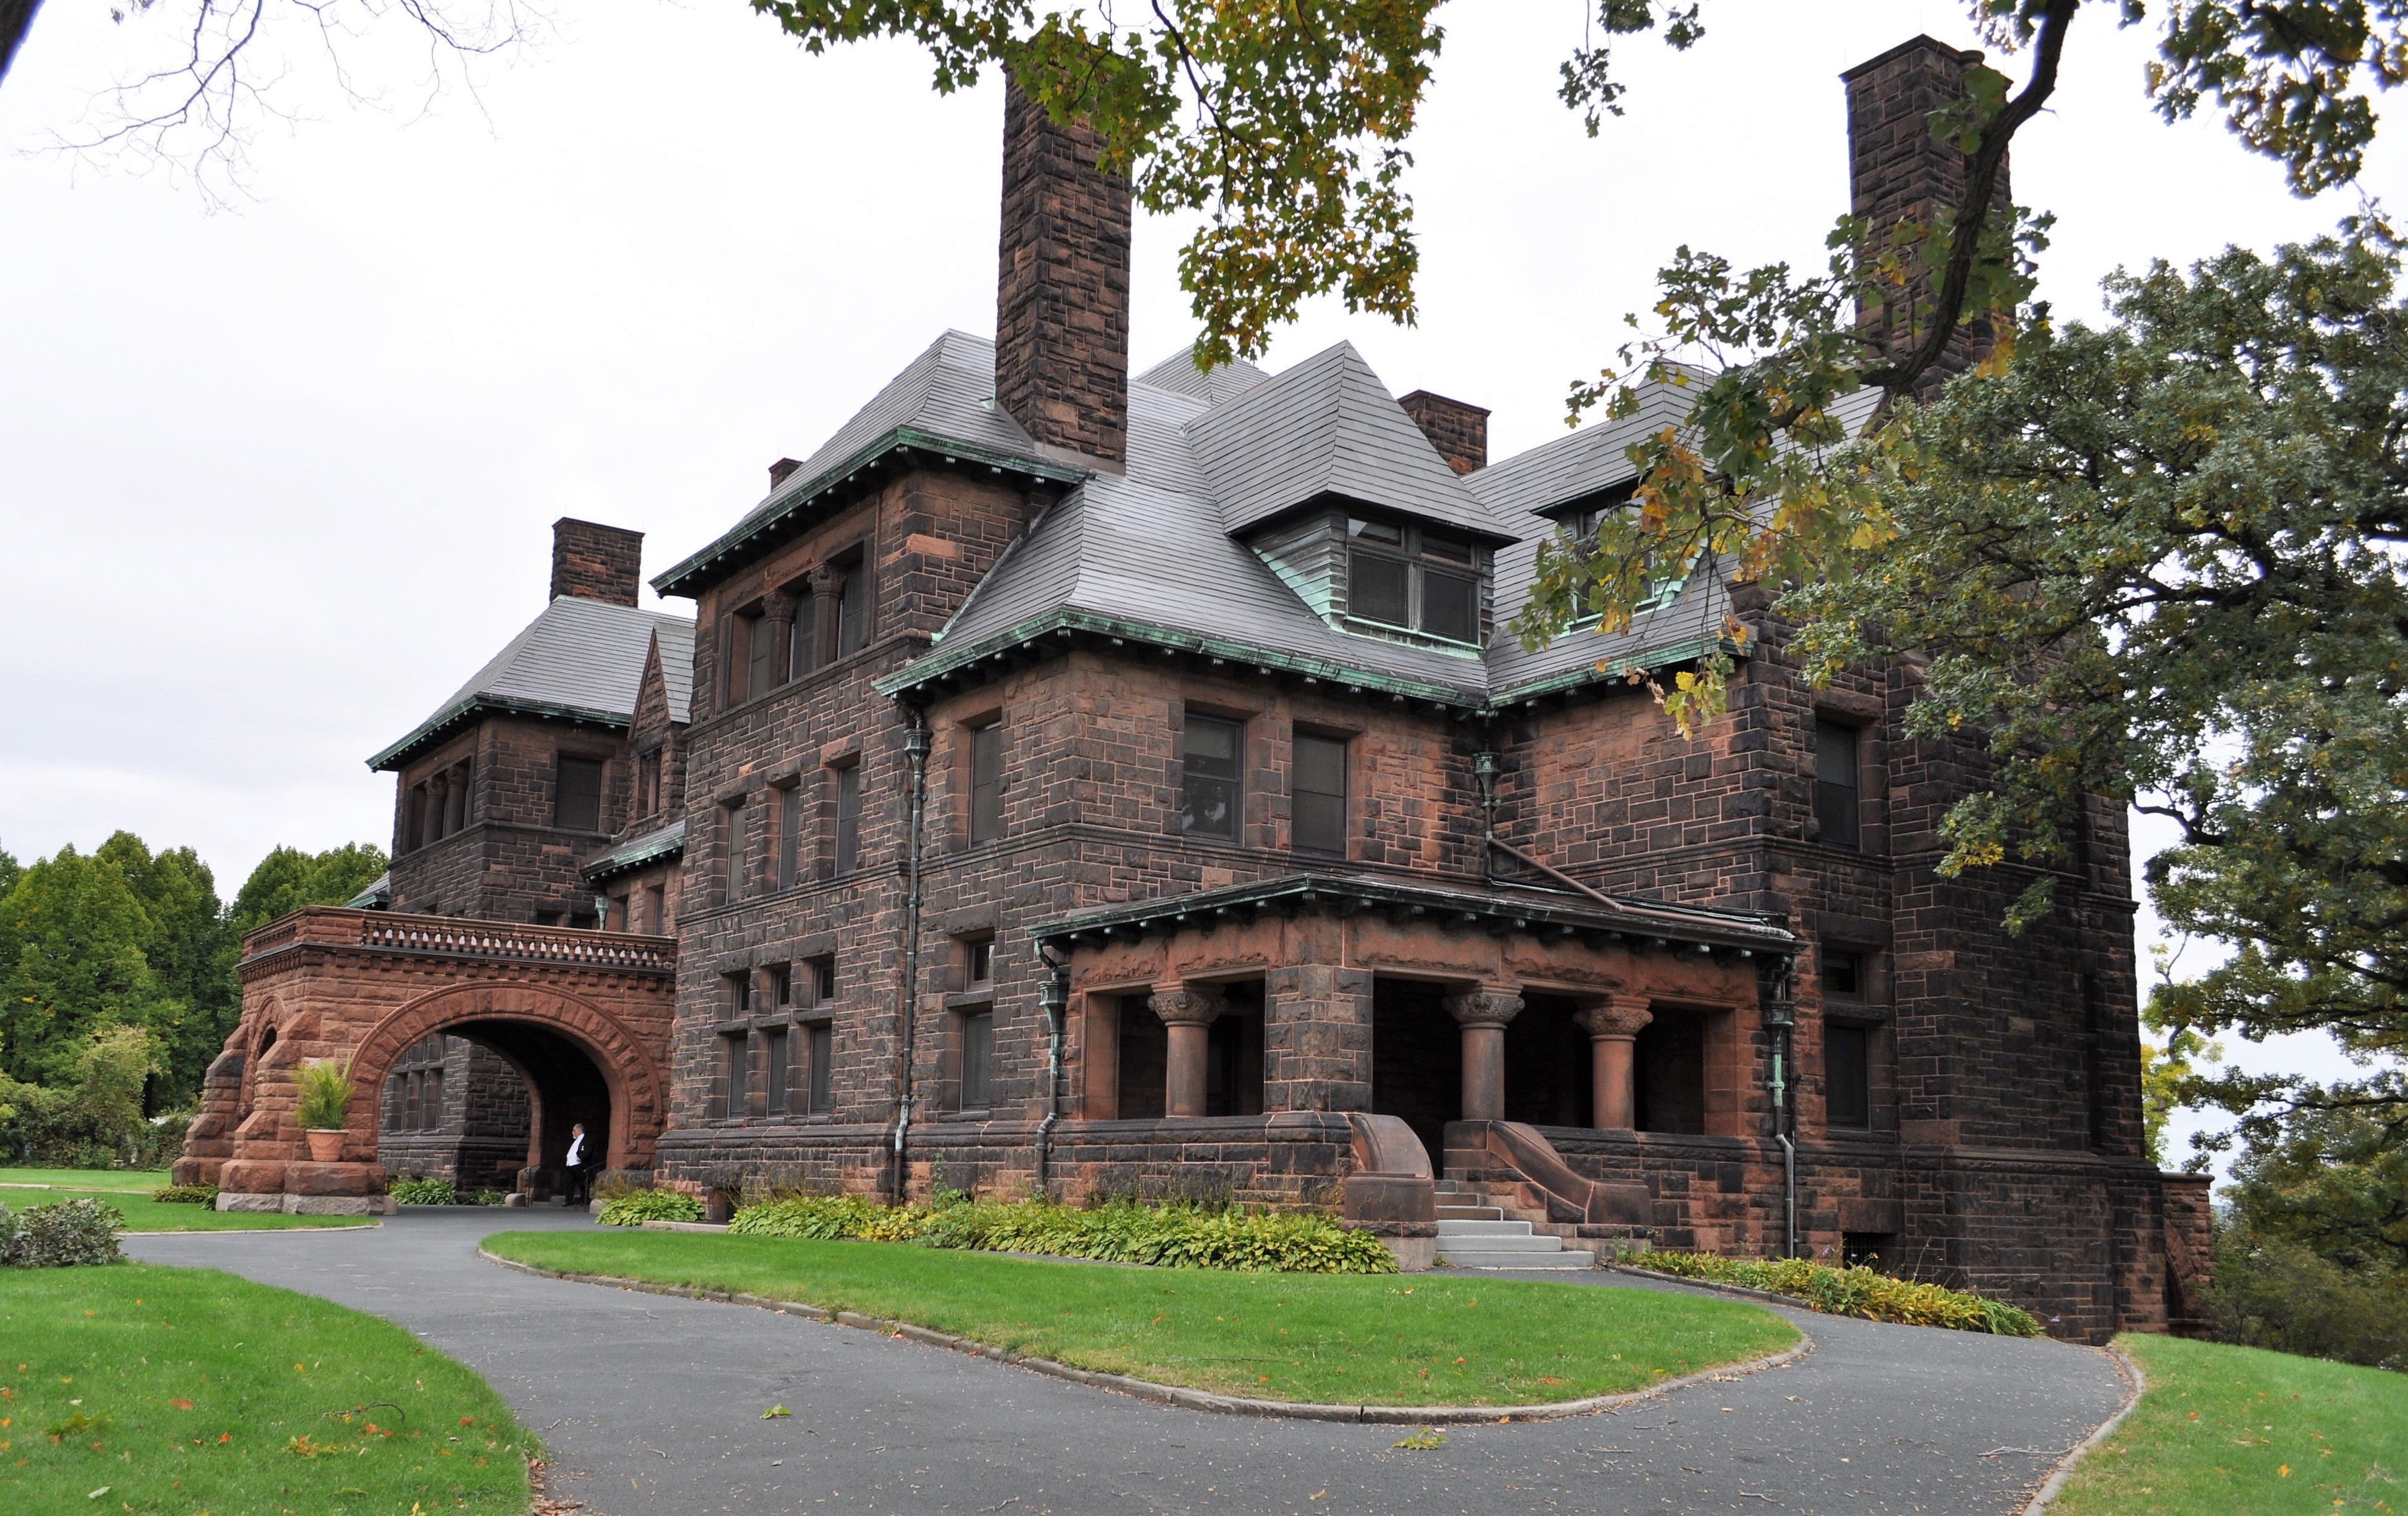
x: 651, y: 1404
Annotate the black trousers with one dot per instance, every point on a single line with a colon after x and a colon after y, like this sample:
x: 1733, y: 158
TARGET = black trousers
x: 580, y: 1185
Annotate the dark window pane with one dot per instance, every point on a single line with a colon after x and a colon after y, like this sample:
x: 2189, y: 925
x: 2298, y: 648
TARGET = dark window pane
x: 848, y: 818
x: 1207, y: 779
x: 735, y: 860
x: 822, y: 980
x: 432, y: 1109
x: 739, y: 994
x: 1450, y: 606
x: 852, y: 614
x: 1376, y: 531
x: 986, y: 783
x: 756, y: 638
x: 1847, y: 1076
x: 978, y: 1048
x: 577, y: 795
x: 1835, y: 783
x: 802, y: 644
x: 979, y: 960
x: 823, y: 1064
x: 1843, y: 974
x: 1379, y: 589
x: 1319, y: 801
x: 1445, y: 548
x: 737, y: 1094
x: 790, y: 830
x: 773, y: 1071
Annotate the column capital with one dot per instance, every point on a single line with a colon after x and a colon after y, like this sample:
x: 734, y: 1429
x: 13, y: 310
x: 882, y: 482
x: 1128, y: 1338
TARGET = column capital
x: 1488, y: 1006
x: 1187, y: 1006
x: 827, y: 579
x: 778, y: 606
x: 1616, y: 1016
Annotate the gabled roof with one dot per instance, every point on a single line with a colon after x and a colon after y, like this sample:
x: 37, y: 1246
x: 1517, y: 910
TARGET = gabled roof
x: 1328, y: 426
x: 1178, y: 374
x: 942, y: 402
x: 580, y: 660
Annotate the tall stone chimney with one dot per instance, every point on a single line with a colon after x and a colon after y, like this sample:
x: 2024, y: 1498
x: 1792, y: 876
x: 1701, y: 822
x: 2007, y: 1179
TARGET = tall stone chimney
x: 1459, y: 432
x: 1062, y: 288
x: 1898, y: 171
x: 592, y: 561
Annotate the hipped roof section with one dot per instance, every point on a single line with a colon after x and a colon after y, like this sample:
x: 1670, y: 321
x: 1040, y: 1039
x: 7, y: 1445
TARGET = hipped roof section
x: 579, y: 659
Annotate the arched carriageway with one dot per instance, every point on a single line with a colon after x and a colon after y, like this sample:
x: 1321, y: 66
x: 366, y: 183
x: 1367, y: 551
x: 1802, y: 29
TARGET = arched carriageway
x: 581, y: 1018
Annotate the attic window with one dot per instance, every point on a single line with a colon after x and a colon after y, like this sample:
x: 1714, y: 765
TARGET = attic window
x: 1414, y: 578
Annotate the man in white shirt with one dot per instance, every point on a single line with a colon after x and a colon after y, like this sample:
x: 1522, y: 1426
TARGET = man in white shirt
x: 581, y: 1178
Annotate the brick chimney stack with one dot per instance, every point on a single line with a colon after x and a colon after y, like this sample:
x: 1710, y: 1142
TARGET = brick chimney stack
x: 592, y: 561
x: 1062, y: 288
x: 1897, y: 171
x: 1457, y: 431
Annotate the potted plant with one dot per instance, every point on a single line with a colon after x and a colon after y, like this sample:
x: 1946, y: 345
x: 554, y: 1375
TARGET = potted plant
x: 325, y: 1087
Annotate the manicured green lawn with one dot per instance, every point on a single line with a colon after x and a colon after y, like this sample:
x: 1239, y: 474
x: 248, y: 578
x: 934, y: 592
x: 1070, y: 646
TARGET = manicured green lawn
x: 143, y: 1181
x: 1416, y: 1339
x: 136, y: 1387
x: 144, y: 1214
x: 2226, y: 1430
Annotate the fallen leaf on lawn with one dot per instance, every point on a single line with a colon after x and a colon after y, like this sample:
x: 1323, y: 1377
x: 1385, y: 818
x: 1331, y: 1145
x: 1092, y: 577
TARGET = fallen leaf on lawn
x: 181, y: 1404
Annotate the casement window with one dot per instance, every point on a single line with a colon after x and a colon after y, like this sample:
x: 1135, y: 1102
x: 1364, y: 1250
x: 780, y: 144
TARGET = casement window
x: 737, y: 992
x: 779, y: 986
x: 735, y: 853
x: 773, y: 1070
x: 822, y: 1039
x: 657, y: 910
x: 803, y: 637
x: 1847, y: 1076
x: 734, y: 1081
x: 1209, y: 785
x: 978, y: 961
x: 847, y: 819
x: 976, y: 1029
x: 815, y: 980
x: 760, y: 654
x: 1844, y: 973
x: 648, y: 782
x: 1317, y: 798
x: 986, y: 782
x: 853, y: 606
x: 784, y: 875
x: 1836, y: 754
x: 1414, y: 578
x: 577, y: 794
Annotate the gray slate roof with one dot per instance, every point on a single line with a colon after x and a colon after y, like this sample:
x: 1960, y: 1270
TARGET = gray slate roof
x: 1178, y: 374
x: 583, y: 659
x: 661, y: 842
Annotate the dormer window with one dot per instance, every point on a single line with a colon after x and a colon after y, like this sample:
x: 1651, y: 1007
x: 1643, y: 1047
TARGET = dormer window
x: 1411, y: 578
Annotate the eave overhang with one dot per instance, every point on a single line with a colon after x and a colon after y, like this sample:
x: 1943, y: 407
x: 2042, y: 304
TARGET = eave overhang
x: 668, y: 842
x: 1638, y: 926
x: 439, y: 727
x: 1064, y: 627
x: 1609, y: 669
x: 801, y: 505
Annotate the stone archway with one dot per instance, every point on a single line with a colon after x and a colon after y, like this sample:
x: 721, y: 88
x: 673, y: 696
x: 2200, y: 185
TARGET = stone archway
x: 586, y: 1015
x: 518, y: 1020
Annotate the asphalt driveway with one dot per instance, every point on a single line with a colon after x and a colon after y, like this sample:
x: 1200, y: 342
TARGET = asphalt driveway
x: 650, y: 1404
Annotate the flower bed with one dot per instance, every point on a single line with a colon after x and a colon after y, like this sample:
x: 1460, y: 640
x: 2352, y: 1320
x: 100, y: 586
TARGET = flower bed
x: 1846, y: 1292
x: 1123, y: 1231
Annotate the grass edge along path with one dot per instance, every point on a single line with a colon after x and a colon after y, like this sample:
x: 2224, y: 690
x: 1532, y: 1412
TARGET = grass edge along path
x: 1350, y: 1341
x: 2219, y: 1429
x: 158, y: 1389
x: 129, y: 1191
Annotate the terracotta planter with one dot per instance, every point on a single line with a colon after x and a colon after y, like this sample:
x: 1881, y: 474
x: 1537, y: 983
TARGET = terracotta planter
x: 326, y: 1146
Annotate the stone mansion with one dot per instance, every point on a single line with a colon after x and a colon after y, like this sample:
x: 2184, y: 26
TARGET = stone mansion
x: 1112, y: 781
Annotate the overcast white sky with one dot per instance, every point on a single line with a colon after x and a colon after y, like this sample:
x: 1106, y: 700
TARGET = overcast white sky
x: 274, y: 480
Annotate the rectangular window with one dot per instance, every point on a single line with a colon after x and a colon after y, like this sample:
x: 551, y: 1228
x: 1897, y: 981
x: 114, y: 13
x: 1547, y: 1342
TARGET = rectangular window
x: 848, y: 818
x: 740, y: 994
x: 734, y: 858
x: 577, y: 794
x: 1421, y: 580
x: 822, y: 1040
x: 853, y: 610
x: 978, y: 961
x: 657, y: 910
x: 1843, y: 974
x: 802, y: 639
x: 819, y: 979
x: 1208, y: 778
x: 735, y: 647
x: 978, y: 1053
x: 790, y: 834
x: 414, y: 830
x: 1318, y: 803
x: 1835, y: 782
x: 773, y: 1071
x: 1847, y: 1076
x: 406, y: 1119
x: 780, y: 987
x: 986, y: 782
x: 735, y: 1091
x: 648, y: 782
x: 761, y: 653
x: 431, y: 1104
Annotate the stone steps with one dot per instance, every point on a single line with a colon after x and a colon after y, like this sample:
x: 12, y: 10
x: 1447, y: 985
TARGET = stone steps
x: 1476, y: 1231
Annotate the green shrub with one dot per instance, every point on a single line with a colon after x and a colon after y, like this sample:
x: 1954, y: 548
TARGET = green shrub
x: 2269, y: 1292
x: 422, y: 1193
x: 485, y: 1197
x: 186, y: 1195
x: 325, y: 1086
x: 633, y: 1208
x: 1176, y: 1236
x: 63, y: 1235
x: 1846, y: 1292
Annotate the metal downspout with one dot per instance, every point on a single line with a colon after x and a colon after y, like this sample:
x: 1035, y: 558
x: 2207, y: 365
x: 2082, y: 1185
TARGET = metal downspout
x: 916, y: 742
x: 1484, y: 768
x: 1780, y: 1018
x: 1056, y: 1000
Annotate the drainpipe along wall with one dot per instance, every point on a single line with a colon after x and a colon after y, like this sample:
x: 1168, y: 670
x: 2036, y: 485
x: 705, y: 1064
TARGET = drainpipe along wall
x: 915, y: 750
x: 1056, y: 1001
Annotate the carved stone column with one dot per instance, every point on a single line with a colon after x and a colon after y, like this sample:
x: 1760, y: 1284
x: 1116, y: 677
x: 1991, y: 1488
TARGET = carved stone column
x: 1482, y: 1014
x: 1188, y: 1013
x: 1614, y: 1026
x: 828, y: 606
x: 438, y: 806
x: 778, y: 618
